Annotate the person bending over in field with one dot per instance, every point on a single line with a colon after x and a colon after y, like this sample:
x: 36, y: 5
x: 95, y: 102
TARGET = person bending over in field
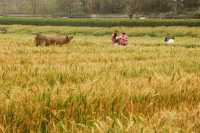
x: 123, y: 39
x: 169, y: 39
x: 115, y: 38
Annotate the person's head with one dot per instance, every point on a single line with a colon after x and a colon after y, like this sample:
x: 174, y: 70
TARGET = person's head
x: 115, y: 33
x: 123, y: 33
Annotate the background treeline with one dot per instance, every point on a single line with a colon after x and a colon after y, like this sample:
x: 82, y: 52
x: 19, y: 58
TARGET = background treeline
x: 70, y: 8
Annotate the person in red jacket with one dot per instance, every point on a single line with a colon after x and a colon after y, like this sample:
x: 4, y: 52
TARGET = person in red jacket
x: 123, y: 41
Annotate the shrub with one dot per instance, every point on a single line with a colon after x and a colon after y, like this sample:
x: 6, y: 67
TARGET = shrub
x: 97, y: 22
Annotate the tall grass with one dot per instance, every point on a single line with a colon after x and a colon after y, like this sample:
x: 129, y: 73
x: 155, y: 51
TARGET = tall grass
x: 91, y: 86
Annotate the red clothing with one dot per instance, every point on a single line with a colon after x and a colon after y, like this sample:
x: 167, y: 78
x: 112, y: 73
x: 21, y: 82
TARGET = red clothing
x: 123, y: 40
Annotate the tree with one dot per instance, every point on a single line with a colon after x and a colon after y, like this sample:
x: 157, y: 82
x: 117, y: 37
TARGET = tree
x: 134, y: 6
x: 65, y: 7
x: 191, y: 4
x: 3, y: 7
x: 178, y: 6
x: 117, y: 6
x: 34, y: 5
x: 84, y: 5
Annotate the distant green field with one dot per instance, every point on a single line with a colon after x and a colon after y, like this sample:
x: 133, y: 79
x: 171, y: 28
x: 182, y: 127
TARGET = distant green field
x: 98, y: 22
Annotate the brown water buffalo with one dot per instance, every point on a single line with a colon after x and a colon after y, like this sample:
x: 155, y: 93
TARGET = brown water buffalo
x: 52, y: 40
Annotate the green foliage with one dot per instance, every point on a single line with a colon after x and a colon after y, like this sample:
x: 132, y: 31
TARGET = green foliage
x: 98, y: 22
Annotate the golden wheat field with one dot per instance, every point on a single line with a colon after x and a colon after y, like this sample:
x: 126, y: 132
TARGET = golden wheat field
x: 89, y: 86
